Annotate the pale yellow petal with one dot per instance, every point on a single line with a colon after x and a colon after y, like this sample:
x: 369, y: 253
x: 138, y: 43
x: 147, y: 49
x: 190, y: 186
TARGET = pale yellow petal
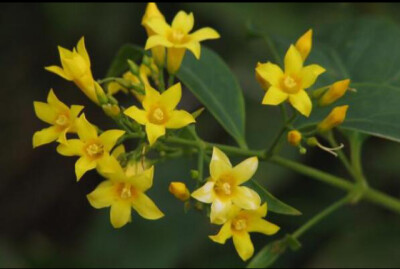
x: 245, y: 170
x: 204, y: 34
x: 75, y: 110
x: 103, y: 195
x: 301, y: 102
x: 179, y: 119
x: 270, y: 72
x: 293, y: 61
x: 144, y: 180
x: 262, y: 226
x: 72, y: 147
x: 146, y: 207
x: 82, y: 50
x: 246, y: 198
x: 309, y: 75
x: 183, y: 22
x: 59, y: 71
x: 220, y: 211
x: 243, y: 245
x: 219, y: 164
x: 110, y: 137
x: 171, y: 97
x: 158, y: 25
x: 139, y: 115
x: 45, y: 136
x: 152, y: 97
x: 118, y: 151
x: 157, y: 40
x: 45, y: 112
x: 82, y: 165
x: 194, y: 47
x: 54, y: 102
x: 224, y: 234
x: 205, y: 194
x: 153, y: 132
x: 86, y: 131
x: 274, y: 96
x: 120, y: 213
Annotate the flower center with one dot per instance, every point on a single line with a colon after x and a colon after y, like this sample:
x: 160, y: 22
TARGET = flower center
x: 94, y: 150
x: 126, y: 192
x: 158, y: 116
x: 62, y: 120
x: 225, y: 186
x: 290, y: 85
x: 177, y: 36
x: 239, y: 225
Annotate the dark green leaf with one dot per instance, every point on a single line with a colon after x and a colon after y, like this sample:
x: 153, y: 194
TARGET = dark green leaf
x: 274, y: 204
x: 214, y: 85
x: 269, y: 254
x: 119, y: 64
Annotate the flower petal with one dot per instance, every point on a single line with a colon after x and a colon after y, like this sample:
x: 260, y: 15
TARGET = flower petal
x: 118, y: 151
x: 219, y: 163
x: 183, y: 22
x: 75, y: 110
x: 302, y: 102
x: 72, y: 147
x: 82, y: 50
x: 262, y: 226
x: 45, y: 112
x: 194, y: 47
x: 158, y: 25
x: 309, y: 75
x: 146, y: 207
x: 157, y: 40
x: 103, y: 195
x: 120, y: 214
x: 205, y: 193
x: 245, y: 170
x: 54, y: 102
x: 153, y: 132
x: 110, y: 137
x: 304, y: 44
x: 144, y: 180
x: 243, y: 245
x: 224, y: 234
x: 83, y: 165
x: 220, y: 211
x: 293, y: 61
x: 86, y: 131
x: 274, y: 96
x: 179, y: 119
x: 45, y: 136
x: 139, y: 115
x: 171, y: 97
x: 58, y: 71
x: 174, y: 59
x: 204, y: 33
x: 270, y: 72
x: 152, y: 97
x: 246, y: 198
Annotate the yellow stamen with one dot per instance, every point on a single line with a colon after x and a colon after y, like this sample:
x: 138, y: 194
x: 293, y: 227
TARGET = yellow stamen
x: 239, y: 225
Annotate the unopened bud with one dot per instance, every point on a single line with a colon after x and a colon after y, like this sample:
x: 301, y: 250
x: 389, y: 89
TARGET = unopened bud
x: 111, y: 110
x: 259, y: 71
x: 336, y: 91
x: 194, y: 174
x: 294, y: 138
x: 133, y: 67
x: 334, y: 119
x: 304, y: 44
x: 179, y: 190
x: 101, y: 96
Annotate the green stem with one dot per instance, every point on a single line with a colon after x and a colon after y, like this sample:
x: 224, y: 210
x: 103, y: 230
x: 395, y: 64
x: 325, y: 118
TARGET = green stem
x: 161, y: 80
x: 171, y: 80
x: 275, y: 144
x: 320, y: 216
x: 355, y: 155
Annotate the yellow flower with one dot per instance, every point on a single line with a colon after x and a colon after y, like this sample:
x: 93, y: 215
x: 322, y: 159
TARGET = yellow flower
x: 223, y: 188
x: 76, y: 68
x: 334, y: 119
x: 61, y: 117
x: 92, y: 148
x: 159, y: 112
x: 294, y: 138
x: 335, y: 91
x: 291, y: 83
x: 304, y: 44
x: 240, y: 224
x: 152, y: 11
x: 125, y: 189
x: 179, y: 190
x: 177, y: 38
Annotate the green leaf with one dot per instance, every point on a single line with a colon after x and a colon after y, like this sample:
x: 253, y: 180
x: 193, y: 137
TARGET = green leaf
x: 119, y: 64
x: 269, y: 254
x: 274, y: 204
x: 214, y: 85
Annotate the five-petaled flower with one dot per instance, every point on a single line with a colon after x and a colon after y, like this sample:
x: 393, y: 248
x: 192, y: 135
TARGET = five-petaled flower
x: 92, y: 148
x: 290, y: 83
x: 240, y: 224
x: 159, y: 112
x: 223, y: 188
x: 125, y: 189
x: 76, y: 68
x: 61, y: 117
x: 177, y: 38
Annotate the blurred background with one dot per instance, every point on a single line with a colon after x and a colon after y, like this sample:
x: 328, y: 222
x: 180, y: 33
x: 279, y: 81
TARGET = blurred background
x: 45, y: 219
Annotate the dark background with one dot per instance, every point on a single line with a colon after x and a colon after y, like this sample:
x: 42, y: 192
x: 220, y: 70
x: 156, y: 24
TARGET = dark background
x: 45, y: 219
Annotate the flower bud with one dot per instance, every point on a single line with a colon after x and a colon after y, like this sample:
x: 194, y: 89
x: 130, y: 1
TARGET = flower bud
x: 194, y: 174
x: 334, y: 119
x: 294, y: 138
x: 304, y: 44
x: 263, y: 82
x: 336, y: 91
x: 179, y: 190
x: 111, y: 110
x: 133, y: 67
